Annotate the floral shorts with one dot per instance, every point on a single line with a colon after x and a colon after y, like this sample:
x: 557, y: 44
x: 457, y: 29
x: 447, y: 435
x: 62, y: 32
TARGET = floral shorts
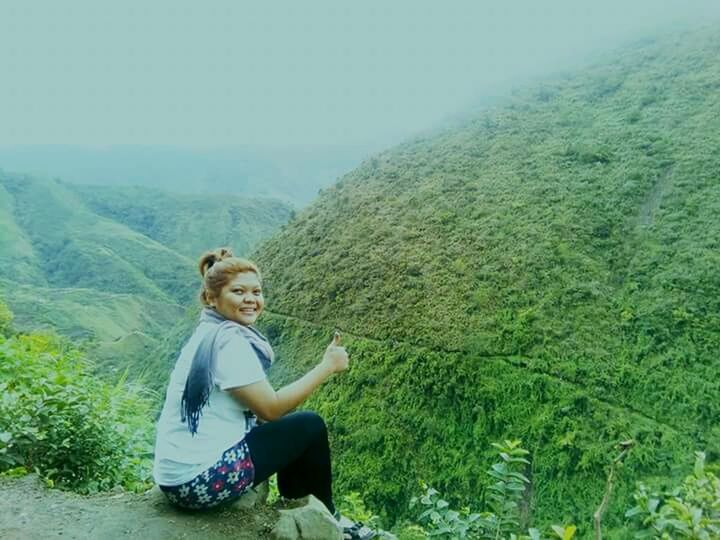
x: 230, y: 477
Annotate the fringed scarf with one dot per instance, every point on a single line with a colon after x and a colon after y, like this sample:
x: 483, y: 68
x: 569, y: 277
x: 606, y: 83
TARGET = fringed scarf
x: 201, y: 377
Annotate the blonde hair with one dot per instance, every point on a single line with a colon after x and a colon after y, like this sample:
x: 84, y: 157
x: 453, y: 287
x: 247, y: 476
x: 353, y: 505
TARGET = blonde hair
x: 217, y: 268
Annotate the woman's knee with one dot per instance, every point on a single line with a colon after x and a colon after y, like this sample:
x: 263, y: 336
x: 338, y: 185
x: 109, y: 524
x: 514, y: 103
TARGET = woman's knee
x: 312, y: 423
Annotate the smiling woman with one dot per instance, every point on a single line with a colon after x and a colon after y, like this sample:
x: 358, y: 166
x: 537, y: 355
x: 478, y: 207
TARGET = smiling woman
x: 210, y: 446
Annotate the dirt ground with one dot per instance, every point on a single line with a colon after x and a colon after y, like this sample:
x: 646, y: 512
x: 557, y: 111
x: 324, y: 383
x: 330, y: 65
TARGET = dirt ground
x: 30, y: 511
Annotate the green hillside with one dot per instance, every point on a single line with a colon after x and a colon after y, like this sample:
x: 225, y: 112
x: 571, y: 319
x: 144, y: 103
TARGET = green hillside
x: 545, y: 271
x: 17, y: 255
x: 74, y: 247
x: 115, y: 267
x: 120, y: 330
x: 189, y: 224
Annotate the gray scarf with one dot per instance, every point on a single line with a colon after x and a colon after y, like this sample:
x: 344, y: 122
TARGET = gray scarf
x: 201, y: 377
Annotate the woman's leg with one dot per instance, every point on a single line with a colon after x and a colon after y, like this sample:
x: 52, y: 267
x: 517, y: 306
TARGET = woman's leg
x: 296, y: 448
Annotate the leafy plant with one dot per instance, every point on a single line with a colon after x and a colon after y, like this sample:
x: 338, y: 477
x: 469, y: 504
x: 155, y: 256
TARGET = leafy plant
x: 564, y: 533
x: 691, y: 510
x: 353, y: 506
x: 273, y: 491
x: 59, y: 420
x: 440, y: 520
x: 510, y: 484
x: 502, y: 521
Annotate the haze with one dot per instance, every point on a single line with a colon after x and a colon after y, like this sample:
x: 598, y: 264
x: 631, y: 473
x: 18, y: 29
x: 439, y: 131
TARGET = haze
x: 184, y: 93
x: 283, y: 73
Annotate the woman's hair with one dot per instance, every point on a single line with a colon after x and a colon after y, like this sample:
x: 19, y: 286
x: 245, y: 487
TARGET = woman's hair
x: 217, y: 268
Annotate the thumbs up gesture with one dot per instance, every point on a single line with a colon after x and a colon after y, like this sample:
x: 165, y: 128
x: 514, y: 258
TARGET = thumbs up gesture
x: 336, y: 357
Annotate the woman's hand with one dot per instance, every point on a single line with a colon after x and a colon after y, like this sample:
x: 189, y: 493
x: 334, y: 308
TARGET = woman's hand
x: 336, y: 357
x: 270, y: 405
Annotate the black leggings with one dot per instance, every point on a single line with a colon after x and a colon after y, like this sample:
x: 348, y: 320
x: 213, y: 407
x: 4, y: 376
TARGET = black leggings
x: 296, y: 448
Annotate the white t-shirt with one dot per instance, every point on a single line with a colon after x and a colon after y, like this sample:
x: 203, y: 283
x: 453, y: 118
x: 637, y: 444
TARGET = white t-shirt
x: 180, y: 456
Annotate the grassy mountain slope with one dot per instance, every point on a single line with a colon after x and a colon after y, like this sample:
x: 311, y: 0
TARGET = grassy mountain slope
x: 189, y: 224
x: 114, y: 266
x: 543, y: 271
x: 76, y: 248
x: 118, y: 330
x: 17, y: 255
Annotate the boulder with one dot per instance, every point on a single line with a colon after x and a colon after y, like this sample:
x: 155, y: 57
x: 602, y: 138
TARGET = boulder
x: 253, y: 497
x: 312, y: 521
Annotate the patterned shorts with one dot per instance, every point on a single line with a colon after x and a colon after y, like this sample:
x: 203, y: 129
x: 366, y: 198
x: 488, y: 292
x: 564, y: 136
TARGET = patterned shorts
x: 230, y: 477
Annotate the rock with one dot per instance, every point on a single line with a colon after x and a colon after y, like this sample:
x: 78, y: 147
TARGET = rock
x: 253, y: 497
x: 310, y: 522
x: 156, y: 496
x: 285, y: 528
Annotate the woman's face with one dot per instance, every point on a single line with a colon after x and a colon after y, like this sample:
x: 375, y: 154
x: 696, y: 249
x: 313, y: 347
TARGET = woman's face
x: 241, y: 299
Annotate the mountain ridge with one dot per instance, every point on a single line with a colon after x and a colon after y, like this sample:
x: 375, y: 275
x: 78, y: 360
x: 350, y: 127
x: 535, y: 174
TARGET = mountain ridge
x: 571, y: 227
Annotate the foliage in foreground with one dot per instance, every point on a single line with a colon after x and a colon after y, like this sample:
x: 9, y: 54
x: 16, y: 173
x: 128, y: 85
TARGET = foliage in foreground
x: 59, y: 420
x: 691, y: 510
x: 503, y: 519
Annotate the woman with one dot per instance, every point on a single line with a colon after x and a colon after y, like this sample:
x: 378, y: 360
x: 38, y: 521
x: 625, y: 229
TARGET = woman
x: 209, y: 447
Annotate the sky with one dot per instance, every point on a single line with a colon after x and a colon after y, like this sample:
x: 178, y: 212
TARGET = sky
x: 223, y: 73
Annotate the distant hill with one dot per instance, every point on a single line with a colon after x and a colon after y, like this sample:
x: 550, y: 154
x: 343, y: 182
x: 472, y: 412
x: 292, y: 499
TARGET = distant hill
x: 74, y: 247
x: 114, y: 266
x: 188, y: 224
x: 548, y: 270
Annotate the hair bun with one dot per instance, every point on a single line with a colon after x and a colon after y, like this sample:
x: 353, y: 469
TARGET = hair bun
x: 209, y: 258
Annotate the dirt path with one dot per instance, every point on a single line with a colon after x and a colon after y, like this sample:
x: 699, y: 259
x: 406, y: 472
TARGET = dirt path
x: 30, y: 511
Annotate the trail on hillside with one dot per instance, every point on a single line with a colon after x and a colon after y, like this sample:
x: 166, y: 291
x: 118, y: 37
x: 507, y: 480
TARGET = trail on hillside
x: 29, y: 511
x: 652, y: 201
x: 522, y: 362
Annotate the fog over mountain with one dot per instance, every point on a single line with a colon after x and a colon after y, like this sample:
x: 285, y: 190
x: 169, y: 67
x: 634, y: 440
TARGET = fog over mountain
x: 293, y: 174
x: 275, y: 99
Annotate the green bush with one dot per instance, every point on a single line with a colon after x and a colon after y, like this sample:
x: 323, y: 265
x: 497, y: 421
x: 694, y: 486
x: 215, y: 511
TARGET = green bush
x: 503, y: 518
x: 57, y: 419
x: 691, y: 510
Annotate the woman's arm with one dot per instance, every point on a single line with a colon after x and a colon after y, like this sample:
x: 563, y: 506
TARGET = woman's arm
x: 270, y: 405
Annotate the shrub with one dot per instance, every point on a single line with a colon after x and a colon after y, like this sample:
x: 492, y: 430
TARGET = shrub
x: 691, y: 510
x: 57, y: 419
x: 502, y: 520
